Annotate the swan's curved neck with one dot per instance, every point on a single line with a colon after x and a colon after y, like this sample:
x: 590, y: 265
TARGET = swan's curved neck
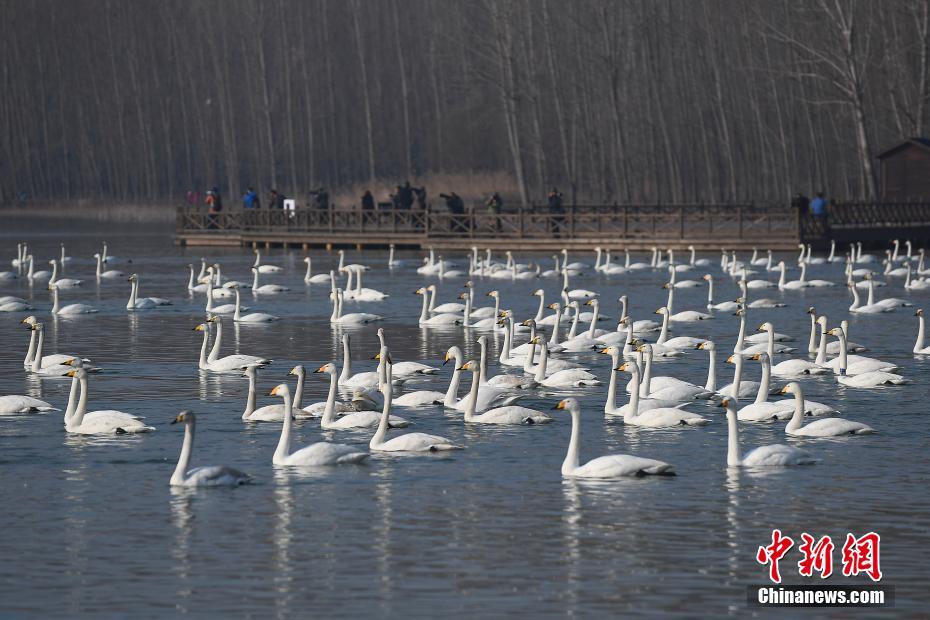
x: 822, y: 347
x: 299, y: 391
x: 77, y: 418
x: 483, y: 364
x: 855, y: 294
x: 329, y: 411
x: 55, y: 307
x: 919, y: 345
x: 741, y: 337
x: 646, y: 387
x: 628, y: 344
x: 871, y: 299
x: 632, y: 409
x: 733, y: 455
x: 710, y: 292
x: 663, y: 335
x: 424, y: 310
x: 737, y: 375
x: 554, y: 338
x: 255, y: 279
x: 812, y: 341
x: 623, y: 308
x: 843, y: 356
x: 134, y: 291
x: 771, y: 343
x: 574, y: 328
x: 472, y: 403
x: 466, y: 317
x: 781, y: 277
x: 508, y: 341
x: 798, y: 416
x: 541, y: 310
x: 307, y: 275
x: 217, y: 343
x: 346, y: 360
x: 250, y: 399
x: 543, y: 362
x: 203, y: 350
x: 432, y: 299
x: 31, y: 352
x: 378, y: 438
x: 711, y: 385
x: 594, y: 312
x: 180, y: 470
x: 37, y: 360
x: 671, y: 299
x: 72, y: 400
x: 284, y: 443
x: 573, y: 456
x: 453, y: 390
x: 763, y: 394
x: 610, y: 405
x: 54, y: 277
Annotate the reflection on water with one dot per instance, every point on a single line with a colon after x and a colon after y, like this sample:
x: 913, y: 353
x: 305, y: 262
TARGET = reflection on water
x: 491, y: 527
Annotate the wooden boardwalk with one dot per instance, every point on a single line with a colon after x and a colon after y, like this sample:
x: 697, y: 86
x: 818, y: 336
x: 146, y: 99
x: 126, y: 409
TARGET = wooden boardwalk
x: 706, y: 227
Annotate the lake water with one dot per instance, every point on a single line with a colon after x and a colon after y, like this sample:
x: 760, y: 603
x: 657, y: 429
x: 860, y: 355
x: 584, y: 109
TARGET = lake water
x: 90, y: 527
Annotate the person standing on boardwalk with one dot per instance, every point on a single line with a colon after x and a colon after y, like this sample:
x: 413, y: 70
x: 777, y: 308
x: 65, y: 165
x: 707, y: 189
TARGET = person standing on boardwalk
x: 368, y: 201
x: 456, y: 207
x: 495, y: 204
x: 556, y: 211
x: 250, y: 200
x: 214, y: 204
x: 819, y: 206
x: 801, y: 203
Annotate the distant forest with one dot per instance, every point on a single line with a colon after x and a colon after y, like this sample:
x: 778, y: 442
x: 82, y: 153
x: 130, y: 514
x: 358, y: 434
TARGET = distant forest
x: 612, y: 100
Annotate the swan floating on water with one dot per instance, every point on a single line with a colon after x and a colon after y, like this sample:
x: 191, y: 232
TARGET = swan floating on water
x: 204, y: 476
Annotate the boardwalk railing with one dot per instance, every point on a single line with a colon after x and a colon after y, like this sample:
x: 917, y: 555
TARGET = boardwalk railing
x: 659, y: 222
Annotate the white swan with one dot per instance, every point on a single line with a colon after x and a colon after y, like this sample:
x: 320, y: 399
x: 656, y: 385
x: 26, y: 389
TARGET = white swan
x: 310, y: 278
x: 450, y: 307
x: 672, y: 346
x: 688, y: 316
x: 359, y: 293
x: 609, y: 466
x: 269, y: 413
x: 726, y: 306
x: 264, y: 268
x: 508, y: 414
x: 103, y: 422
x: 32, y: 353
x: 446, y: 318
x: 70, y: 309
x: 666, y: 388
x: 316, y: 454
x: 871, y: 379
x: 108, y: 274
x: 501, y: 381
x: 762, y: 410
x: 859, y: 308
x: 919, y: 348
x: 353, y: 318
x: 792, y: 367
x: 355, y: 419
x: 793, y: 284
x: 570, y: 377
x: 50, y: 366
x: 354, y: 266
x: 657, y: 417
x: 408, y: 442
x: 645, y: 404
x: 192, y: 286
x: 204, y: 476
x: 265, y: 289
x: 142, y: 303
x: 774, y: 455
x: 36, y: 276
x: 488, y: 396
x: 55, y: 281
x: 222, y: 308
x: 824, y: 427
x: 23, y: 404
x: 252, y: 317
x: 223, y: 364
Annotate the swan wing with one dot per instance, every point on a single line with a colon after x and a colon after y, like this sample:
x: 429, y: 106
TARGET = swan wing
x: 417, y: 442
x: 777, y: 455
x: 833, y: 427
x: 215, y: 476
x: 23, y: 404
x: 512, y: 415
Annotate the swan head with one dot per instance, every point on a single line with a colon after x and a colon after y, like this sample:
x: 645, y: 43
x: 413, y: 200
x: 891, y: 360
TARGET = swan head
x: 811, y: 310
x: 329, y: 368
x: 383, y: 354
x: 761, y: 357
x: 251, y: 371
x: 645, y: 348
x: 132, y: 278
x: 453, y: 354
x: 538, y: 293
x: 920, y: 312
x: 306, y: 259
x: 463, y: 295
x: 80, y: 373
x: 792, y: 388
x: 29, y: 320
x: 836, y: 331
x: 36, y: 327
x: 554, y: 305
x: 611, y: 350
x: 667, y: 285
x: 482, y: 340
x: 468, y: 284
x: 592, y: 302
x: 183, y: 417
x: 279, y: 390
x: 296, y: 371
x: 732, y: 359
x: 493, y: 294
x: 570, y: 404
x: 529, y: 323
x: 432, y: 288
x: 707, y: 277
x: 53, y: 262
x: 730, y: 403
x: 201, y: 328
x: 420, y: 291
x: 766, y: 327
x: 707, y: 345
x: 662, y: 310
x: 822, y: 320
x: 470, y: 365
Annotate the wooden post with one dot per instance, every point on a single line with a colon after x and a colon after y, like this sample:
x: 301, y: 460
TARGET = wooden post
x: 739, y: 219
x: 681, y: 221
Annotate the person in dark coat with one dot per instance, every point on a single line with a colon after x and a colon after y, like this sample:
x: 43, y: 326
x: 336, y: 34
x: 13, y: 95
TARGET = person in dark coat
x: 368, y: 201
x: 495, y: 204
x: 456, y: 207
